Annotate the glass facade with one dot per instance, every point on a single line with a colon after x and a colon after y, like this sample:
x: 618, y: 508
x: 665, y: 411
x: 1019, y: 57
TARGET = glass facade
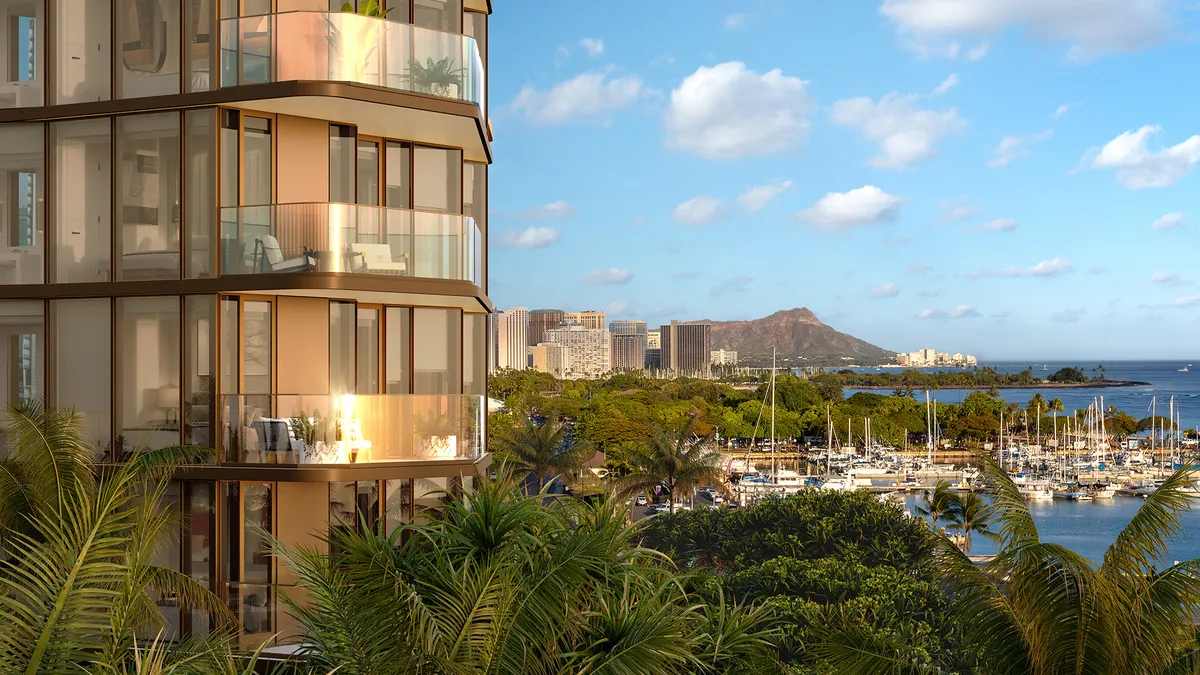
x: 148, y: 205
x: 22, y: 185
x: 83, y: 52
x: 437, y: 351
x: 148, y: 54
x: 199, y: 369
x: 474, y: 354
x: 82, y: 170
x: 23, y: 336
x: 83, y: 367
x: 398, y: 354
x: 148, y: 371
x: 22, y: 49
x: 200, y: 192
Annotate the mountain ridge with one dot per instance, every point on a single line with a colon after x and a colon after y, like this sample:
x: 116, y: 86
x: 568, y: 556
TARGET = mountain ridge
x: 794, y: 333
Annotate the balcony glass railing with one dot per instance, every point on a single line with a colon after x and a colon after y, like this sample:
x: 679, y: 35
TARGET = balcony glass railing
x: 349, y: 239
x: 348, y: 47
x: 351, y: 429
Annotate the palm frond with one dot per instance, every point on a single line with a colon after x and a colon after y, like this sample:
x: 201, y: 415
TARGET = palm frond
x: 1143, y: 541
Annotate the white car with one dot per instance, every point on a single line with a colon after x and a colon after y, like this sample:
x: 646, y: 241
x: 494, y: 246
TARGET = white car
x: 718, y: 499
x: 641, y: 500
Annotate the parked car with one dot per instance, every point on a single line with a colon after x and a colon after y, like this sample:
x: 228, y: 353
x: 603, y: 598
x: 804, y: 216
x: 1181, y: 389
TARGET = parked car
x: 718, y: 499
x: 641, y: 500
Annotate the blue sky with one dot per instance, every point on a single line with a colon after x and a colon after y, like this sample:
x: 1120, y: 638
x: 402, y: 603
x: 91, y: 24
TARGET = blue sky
x: 1009, y: 178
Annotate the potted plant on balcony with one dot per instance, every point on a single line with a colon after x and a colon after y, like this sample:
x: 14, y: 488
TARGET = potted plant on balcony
x: 437, y: 434
x: 367, y: 8
x: 439, y: 78
x: 355, y: 49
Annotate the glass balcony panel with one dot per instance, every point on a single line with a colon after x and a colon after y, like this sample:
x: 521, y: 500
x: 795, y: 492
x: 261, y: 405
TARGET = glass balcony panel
x: 348, y: 47
x: 351, y: 429
x: 349, y: 239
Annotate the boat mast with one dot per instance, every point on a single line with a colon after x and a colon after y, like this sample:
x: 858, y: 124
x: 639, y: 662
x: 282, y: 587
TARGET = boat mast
x: 774, y: 470
x: 928, y: 431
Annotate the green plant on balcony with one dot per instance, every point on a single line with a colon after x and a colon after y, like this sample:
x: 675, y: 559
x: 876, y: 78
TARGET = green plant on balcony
x: 355, y: 49
x: 367, y: 8
x: 435, y: 432
x: 439, y: 78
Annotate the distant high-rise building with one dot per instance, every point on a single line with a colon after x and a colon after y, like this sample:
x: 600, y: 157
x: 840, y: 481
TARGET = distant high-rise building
x: 512, y: 345
x: 588, y: 319
x: 551, y: 357
x: 724, y: 357
x: 542, y: 320
x: 654, y: 349
x: 687, y: 349
x: 654, y: 339
x: 628, y: 355
x: 590, y: 353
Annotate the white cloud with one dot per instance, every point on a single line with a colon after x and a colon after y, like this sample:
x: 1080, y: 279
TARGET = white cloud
x: 699, y: 211
x: 1168, y: 279
x: 905, y: 132
x: 978, y: 52
x: 964, y: 312
x: 728, y: 111
x: 929, y: 292
x: 559, y: 210
x: 756, y: 198
x: 1186, y: 301
x: 1063, y: 110
x: 530, y: 237
x: 999, y: 225
x: 1045, y: 268
x: 1092, y: 27
x: 1012, y: 148
x: 610, y: 276
x: 736, y: 20
x: 1169, y: 221
x: 618, y: 308
x: 1139, y: 167
x: 837, y: 211
x: 594, y: 46
x: 955, y: 210
x: 1067, y: 315
x: 888, y: 290
x: 918, y: 269
x: 946, y: 85
x: 931, y: 314
x: 581, y: 96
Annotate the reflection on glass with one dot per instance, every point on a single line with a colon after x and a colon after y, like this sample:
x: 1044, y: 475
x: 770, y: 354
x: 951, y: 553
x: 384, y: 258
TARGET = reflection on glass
x: 428, y: 493
x: 443, y: 15
x: 169, y: 555
x: 83, y: 61
x: 200, y: 535
x: 399, y: 503
x: 21, y: 66
x: 437, y: 345
x: 398, y: 351
x: 82, y: 157
x: 147, y: 47
x: 341, y: 506
x: 230, y: 339
x: 256, y: 347
x: 230, y: 162
x: 341, y: 163
x: 437, y: 183
x: 82, y: 362
x: 148, y: 371
x: 200, y: 385
x: 21, y: 203
x: 341, y: 348
x: 22, y: 342
x: 399, y: 175
x: 256, y: 180
x: 200, y: 41
x: 199, y: 192
x: 368, y: 173
x: 368, y: 351
x: 475, y: 354
x: 148, y: 196
x: 257, y: 528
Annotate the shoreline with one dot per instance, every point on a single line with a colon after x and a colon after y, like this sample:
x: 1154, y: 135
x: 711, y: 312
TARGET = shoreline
x: 1106, y: 384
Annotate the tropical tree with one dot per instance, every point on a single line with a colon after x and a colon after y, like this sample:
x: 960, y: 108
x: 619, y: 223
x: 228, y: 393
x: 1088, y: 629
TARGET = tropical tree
x: 970, y: 513
x: 542, y: 450
x: 678, y: 461
x: 75, y: 588
x: 504, y: 583
x: 938, y: 502
x: 1041, y: 608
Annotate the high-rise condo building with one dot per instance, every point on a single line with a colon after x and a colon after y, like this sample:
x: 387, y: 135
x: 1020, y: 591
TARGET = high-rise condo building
x: 551, y: 357
x: 258, y: 226
x: 687, y: 349
x: 724, y: 357
x: 628, y: 354
x: 542, y: 320
x: 590, y: 350
x: 654, y: 349
x: 512, y: 343
x: 588, y: 319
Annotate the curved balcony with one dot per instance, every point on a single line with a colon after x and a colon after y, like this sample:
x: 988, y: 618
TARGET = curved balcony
x: 349, y: 239
x: 348, y: 47
x: 301, y: 430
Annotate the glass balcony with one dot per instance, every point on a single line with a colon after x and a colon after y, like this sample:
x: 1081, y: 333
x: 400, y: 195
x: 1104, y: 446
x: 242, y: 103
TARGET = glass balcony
x: 347, y: 47
x: 351, y: 429
x: 349, y: 239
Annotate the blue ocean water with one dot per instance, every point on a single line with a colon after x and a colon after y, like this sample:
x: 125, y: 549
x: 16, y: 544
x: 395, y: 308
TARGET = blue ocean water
x: 1164, y: 379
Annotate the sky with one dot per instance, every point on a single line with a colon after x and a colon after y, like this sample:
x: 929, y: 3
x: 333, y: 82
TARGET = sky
x: 1008, y: 178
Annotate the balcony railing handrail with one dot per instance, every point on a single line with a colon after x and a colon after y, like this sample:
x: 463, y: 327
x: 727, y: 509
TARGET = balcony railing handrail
x: 380, y: 18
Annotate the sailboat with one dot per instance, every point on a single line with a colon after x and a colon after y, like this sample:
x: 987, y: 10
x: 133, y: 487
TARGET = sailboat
x: 1184, y: 369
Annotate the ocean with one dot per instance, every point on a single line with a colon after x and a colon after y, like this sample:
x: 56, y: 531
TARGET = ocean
x: 1164, y: 378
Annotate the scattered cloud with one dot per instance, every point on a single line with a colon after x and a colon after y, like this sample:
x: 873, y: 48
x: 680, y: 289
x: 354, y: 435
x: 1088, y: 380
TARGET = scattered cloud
x: 667, y: 312
x: 1169, y: 221
x: 594, y: 46
x: 839, y: 211
x: 618, y: 308
x: 998, y: 225
x: 888, y: 290
x: 978, y: 52
x: 1045, y: 268
x: 728, y: 111
x: 530, y: 237
x: 931, y: 314
x: 1012, y: 148
x: 736, y: 20
x: 735, y: 285
x: 929, y: 292
x: 946, y: 85
x: 553, y: 211
x: 756, y: 198
x: 905, y: 132
x: 1063, y: 110
x: 1089, y: 28
x: 956, y: 210
x: 699, y: 211
x: 1186, y: 301
x: 1138, y: 166
x: 1067, y: 316
x: 964, y: 312
x: 918, y: 269
x: 588, y: 94
x: 1168, y: 279
x: 611, y: 276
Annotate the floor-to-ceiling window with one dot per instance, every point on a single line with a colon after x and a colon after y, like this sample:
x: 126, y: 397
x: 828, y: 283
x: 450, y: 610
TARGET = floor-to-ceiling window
x: 200, y: 39
x: 474, y: 342
x: 148, y: 55
x: 368, y: 350
x: 200, y: 192
x: 199, y: 377
x: 148, y: 370
x: 199, y: 548
x: 437, y: 351
x: 81, y: 154
x: 22, y: 45
x: 247, y: 565
x: 341, y: 163
x: 148, y: 207
x: 83, y: 48
x: 398, y: 350
x: 83, y: 367
x: 342, y: 344
x: 22, y: 174
x: 22, y: 345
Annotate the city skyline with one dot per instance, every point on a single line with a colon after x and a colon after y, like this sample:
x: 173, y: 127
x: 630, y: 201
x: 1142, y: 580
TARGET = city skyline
x: 902, y: 204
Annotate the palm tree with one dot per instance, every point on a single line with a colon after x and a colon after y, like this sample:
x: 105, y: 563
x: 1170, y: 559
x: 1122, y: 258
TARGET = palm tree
x: 542, y: 450
x: 76, y: 586
x: 938, y: 502
x: 504, y: 583
x: 679, y: 462
x: 1043, y: 609
x: 969, y: 513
